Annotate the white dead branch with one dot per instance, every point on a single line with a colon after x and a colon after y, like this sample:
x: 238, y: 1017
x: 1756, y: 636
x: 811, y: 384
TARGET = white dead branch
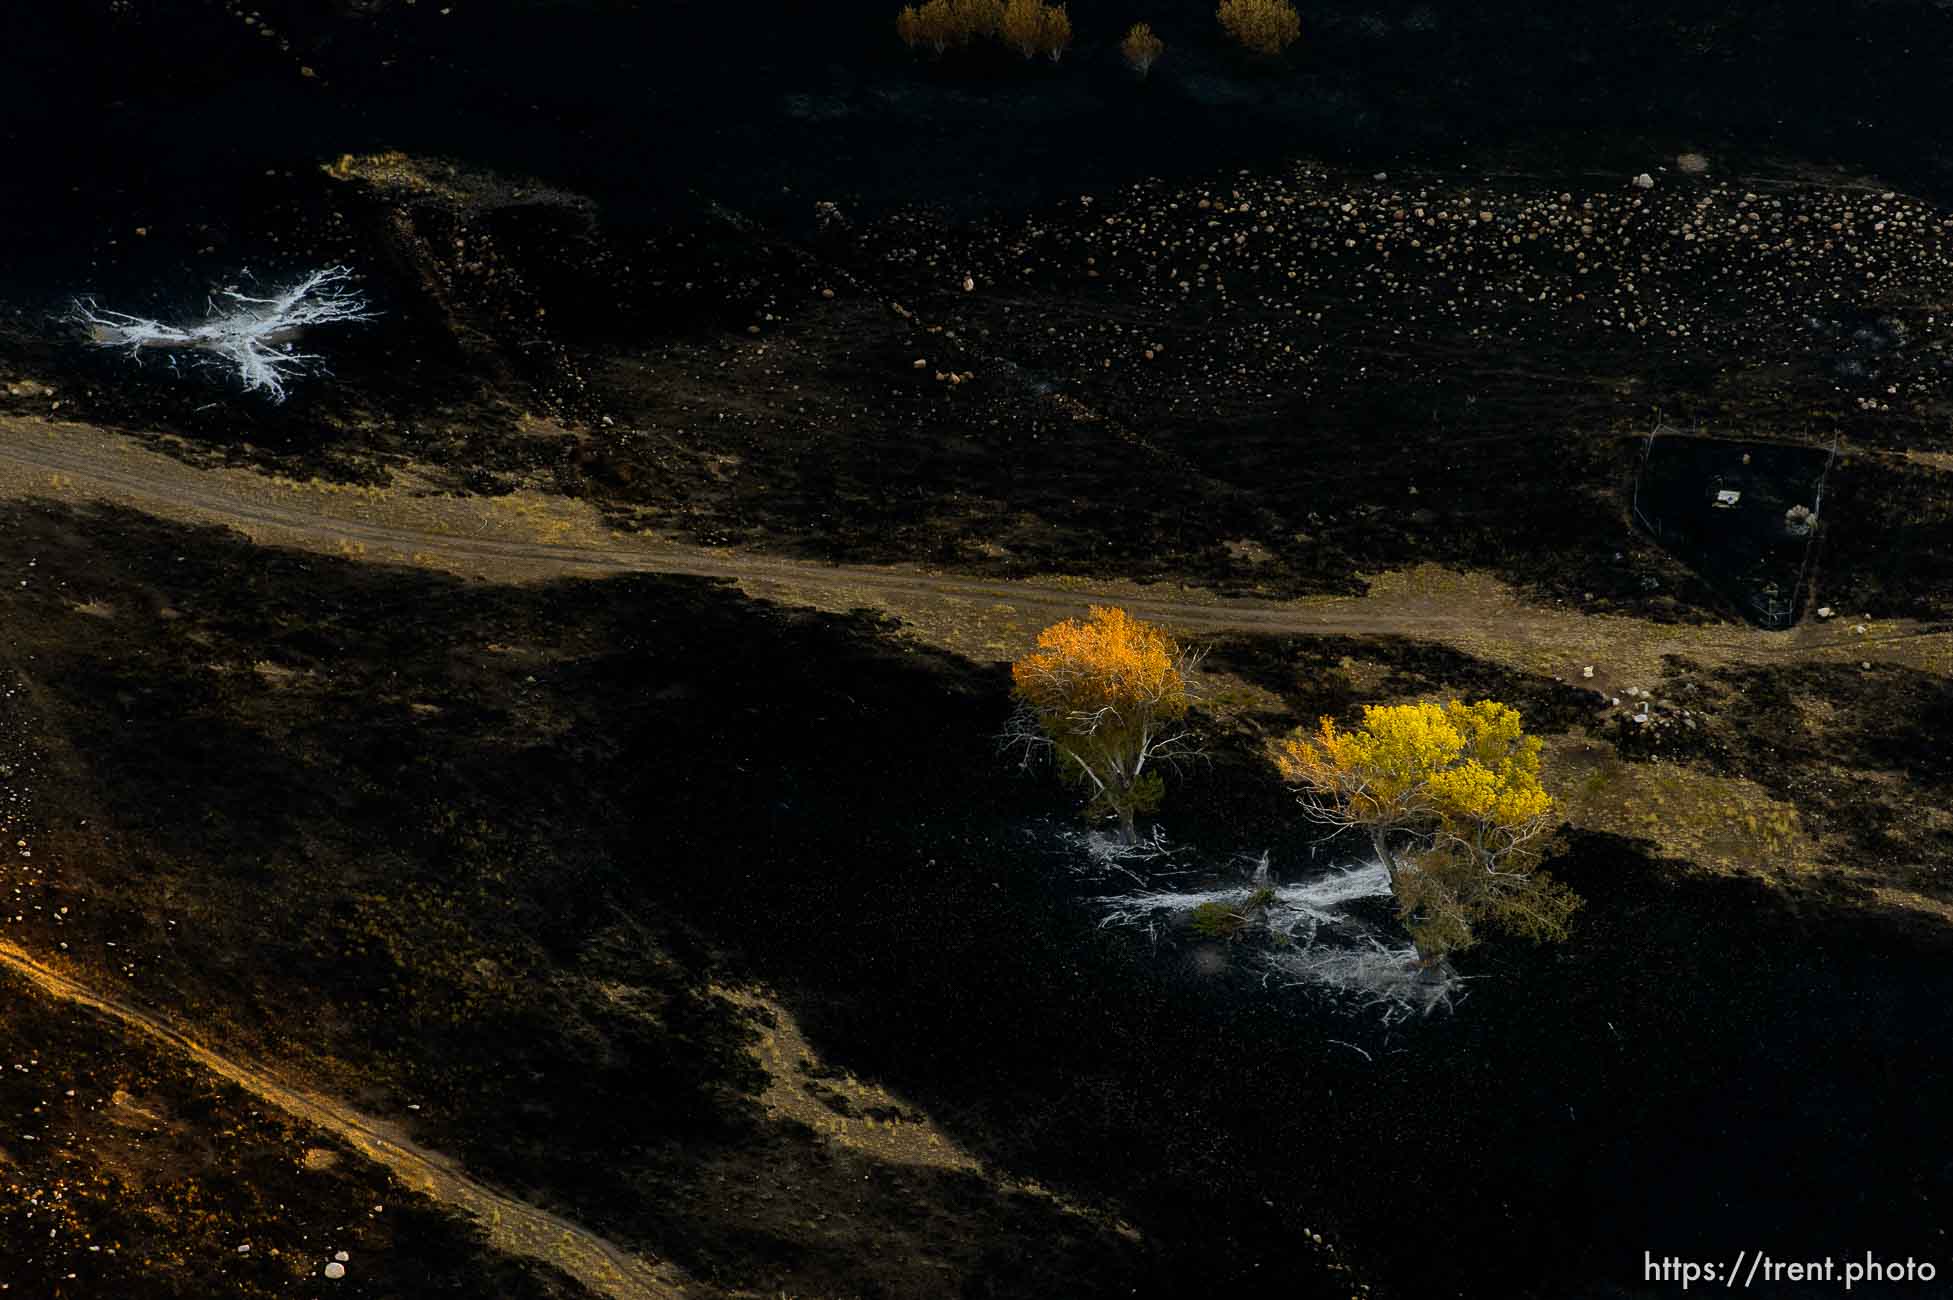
x: 1371, y: 976
x: 253, y: 335
x: 1318, y: 945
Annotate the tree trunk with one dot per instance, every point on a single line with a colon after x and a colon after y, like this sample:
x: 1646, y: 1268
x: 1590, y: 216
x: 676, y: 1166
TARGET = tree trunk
x: 1425, y: 960
x: 1126, y: 832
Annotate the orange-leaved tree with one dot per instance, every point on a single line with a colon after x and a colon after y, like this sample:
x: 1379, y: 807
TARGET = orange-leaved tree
x: 1451, y: 800
x: 1055, y: 38
x: 940, y: 24
x: 1032, y: 27
x: 1264, y: 26
x: 1142, y: 48
x: 1023, y: 26
x: 975, y: 19
x: 1107, y: 699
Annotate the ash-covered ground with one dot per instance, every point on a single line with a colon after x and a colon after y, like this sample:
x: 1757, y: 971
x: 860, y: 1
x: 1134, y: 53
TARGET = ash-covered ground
x: 486, y: 858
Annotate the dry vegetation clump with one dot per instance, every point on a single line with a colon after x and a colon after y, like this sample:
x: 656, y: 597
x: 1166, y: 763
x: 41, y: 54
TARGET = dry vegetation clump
x: 1141, y: 48
x: 943, y: 24
x: 1032, y: 27
x: 1029, y: 26
x: 1264, y: 26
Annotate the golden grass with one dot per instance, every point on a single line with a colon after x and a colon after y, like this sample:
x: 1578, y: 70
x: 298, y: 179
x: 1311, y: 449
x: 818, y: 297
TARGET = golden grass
x: 794, y: 1069
x: 1717, y: 822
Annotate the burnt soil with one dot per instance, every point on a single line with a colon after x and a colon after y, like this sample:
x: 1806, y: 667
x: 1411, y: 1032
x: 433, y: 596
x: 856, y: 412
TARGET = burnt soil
x: 580, y: 294
x: 487, y: 851
x: 492, y: 856
x: 129, y: 1172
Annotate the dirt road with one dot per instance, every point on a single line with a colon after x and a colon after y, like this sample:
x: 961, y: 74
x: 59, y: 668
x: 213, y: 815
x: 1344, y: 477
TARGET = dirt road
x: 533, y: 536
x: 512, y: 1226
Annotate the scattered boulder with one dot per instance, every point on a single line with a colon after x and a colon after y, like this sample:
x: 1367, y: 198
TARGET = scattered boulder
x: 1644, y: 182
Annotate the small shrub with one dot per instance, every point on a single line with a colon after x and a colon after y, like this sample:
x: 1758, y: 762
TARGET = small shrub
x: 908, y: 26
x: 1023, y: 26
x: 1142, y: 48
x: 937, y: 24
x: 1218, y: 920
x: 976, y: 19
x: 1264, y: 26
x: 1215, y: 921
x: 1056, y: 35
x: 1031, y: 26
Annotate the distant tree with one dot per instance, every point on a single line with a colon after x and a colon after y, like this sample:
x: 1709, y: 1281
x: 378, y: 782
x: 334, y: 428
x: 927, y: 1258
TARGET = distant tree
x: 1141, y: 48
x: 1032, y: 27
x: 1055, y: 37
x: 933, y: 25
x: 1264, y: 26
x: 1108, y: 699
x: 910, y: 27
x: 976, y: 19
x: 1452, y: 803
x: 1023, y: 26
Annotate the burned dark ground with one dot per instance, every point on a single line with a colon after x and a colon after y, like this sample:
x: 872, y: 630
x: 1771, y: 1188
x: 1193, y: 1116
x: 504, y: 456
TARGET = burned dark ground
x: 478, y: 861
x: 490, y: 859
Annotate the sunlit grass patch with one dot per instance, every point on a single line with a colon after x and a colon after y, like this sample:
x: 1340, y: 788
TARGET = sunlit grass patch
x: 1719, y: 822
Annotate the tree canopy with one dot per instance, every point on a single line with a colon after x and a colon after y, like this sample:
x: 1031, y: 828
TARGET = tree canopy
x: 1108, y: 697
x: 1451, y: 798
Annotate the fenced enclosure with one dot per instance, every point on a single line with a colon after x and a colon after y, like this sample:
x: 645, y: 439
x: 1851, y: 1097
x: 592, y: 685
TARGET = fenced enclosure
x: 1744, y: 514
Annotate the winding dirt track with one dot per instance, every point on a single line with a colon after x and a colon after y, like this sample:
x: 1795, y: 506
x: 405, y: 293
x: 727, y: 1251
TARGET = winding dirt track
x: 471, y: 537
x: 512, y: 1226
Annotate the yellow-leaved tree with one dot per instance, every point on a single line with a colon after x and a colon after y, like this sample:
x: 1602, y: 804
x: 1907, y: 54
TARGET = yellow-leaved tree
x: 976, y: 19
x: 1023, y: 26
x: 1141, y: 48
x: 941, y: 24
x: 1107, y: 699
x: 1451, y: 800
x: 1264, y: 26
x: 1055, y: 36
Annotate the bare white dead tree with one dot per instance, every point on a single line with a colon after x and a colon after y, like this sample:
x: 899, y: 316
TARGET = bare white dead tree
x: 253, y: 336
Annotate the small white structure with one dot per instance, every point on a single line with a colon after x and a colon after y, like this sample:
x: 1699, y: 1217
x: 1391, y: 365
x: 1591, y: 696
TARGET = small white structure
x: 1726, y: 498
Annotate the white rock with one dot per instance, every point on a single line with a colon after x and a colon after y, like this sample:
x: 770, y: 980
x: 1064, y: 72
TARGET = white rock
x: 1859, y: 629
x: 1865, y: 664
x: 335, y: 1270
x: 1644, y: 182
x: 1588, y: 671
x: 1825, y: 611
x: 341, y: 1256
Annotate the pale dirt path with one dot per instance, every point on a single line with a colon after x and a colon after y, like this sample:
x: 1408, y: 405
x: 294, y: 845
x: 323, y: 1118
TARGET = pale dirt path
x: 512, y: 1226
x: 534, y: 535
